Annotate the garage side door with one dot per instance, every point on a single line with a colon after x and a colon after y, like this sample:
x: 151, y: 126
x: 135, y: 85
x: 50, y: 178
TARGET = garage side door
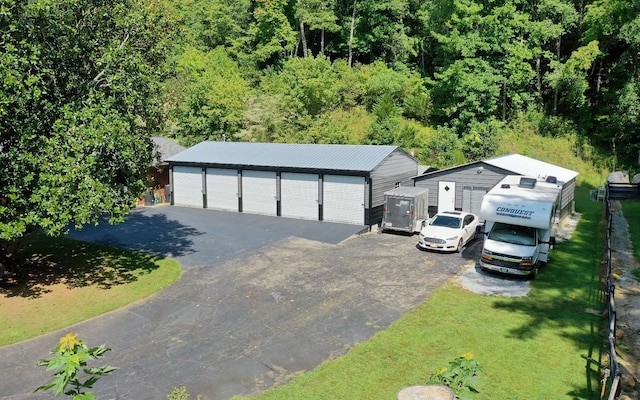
x: 299, y: 195
x: 259, y: 192
x: 187, y: 186
x: 343, y: 199
x: 472, y: 198
x: 222, y: 189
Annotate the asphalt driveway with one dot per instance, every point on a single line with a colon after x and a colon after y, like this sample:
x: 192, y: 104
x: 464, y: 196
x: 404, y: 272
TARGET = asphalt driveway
x: 261, y: 299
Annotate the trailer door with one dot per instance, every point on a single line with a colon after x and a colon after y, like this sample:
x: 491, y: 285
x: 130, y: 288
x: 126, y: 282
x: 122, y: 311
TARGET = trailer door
x: 398, y: 213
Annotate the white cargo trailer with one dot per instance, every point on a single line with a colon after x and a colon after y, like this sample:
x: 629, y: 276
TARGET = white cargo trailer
x: 519, y: 214
x: 406, y: 209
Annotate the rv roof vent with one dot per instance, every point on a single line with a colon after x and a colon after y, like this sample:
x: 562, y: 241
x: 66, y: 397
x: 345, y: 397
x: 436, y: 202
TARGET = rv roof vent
x: 505, y: 186
x: 528, y: 182
x: 551, y: 179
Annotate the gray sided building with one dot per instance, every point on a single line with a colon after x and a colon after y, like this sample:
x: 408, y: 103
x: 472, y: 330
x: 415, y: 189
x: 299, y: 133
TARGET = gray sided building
x: 326, y: 182
x: 463, y: 187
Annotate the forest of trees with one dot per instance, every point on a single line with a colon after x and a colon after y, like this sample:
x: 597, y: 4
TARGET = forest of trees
x: 85, y: 84
x: 441, y: 77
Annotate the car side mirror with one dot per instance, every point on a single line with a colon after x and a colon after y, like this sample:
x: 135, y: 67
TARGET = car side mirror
x: 479, y: 229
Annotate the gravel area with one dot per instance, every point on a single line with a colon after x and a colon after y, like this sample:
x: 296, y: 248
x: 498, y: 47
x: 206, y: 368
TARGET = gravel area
x: 627, y: 302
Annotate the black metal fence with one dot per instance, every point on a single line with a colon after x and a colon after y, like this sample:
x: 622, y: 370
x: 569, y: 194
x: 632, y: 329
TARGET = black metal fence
x: 611, y: 381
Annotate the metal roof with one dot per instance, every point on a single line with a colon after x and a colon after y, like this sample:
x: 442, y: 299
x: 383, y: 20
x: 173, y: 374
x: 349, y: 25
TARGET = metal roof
x: 340, y: 157
x: 513, y: 163
x: 166, y: 147
x: 524, y: 165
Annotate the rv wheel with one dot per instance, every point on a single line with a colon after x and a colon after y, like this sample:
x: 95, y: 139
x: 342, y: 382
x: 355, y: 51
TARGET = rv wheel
x: 535, y: 271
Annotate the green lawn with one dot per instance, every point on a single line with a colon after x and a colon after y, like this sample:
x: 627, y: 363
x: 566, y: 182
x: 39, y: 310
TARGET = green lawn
x: 59, y: 282
x: 535, y: 347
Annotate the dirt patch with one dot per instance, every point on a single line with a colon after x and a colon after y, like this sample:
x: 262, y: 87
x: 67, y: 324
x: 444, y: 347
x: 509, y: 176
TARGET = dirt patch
x: 627, y: 303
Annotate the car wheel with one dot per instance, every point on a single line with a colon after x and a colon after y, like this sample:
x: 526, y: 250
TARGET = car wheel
x: 460, y: 244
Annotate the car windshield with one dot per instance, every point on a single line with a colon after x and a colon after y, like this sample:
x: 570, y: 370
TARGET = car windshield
x: 514, y: 234
x: 446, y: 221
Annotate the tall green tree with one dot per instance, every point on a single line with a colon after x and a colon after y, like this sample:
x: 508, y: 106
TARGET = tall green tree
x: 210, y: 96
x: 319, y: 16
x: 493, y: 58
x: 615, y: 88
x: 377, y: 31
x: 208, y: 24
x: 271, y: 38
x: 78, y: 104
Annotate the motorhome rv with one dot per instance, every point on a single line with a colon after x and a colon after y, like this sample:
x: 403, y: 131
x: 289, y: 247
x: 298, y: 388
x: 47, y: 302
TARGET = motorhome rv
x: 519, y: 214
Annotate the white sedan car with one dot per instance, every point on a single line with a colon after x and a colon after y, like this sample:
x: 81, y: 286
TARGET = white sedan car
x: 448, y: 231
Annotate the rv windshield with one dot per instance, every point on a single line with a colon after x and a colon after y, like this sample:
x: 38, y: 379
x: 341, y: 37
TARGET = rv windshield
x: 515, y: 234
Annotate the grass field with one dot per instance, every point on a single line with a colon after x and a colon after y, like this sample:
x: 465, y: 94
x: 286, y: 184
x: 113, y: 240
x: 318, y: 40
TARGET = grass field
x: 59, y: 282
x: 535, y: 347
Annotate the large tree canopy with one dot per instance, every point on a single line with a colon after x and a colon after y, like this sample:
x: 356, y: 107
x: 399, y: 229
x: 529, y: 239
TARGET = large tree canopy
x: 77, y: 105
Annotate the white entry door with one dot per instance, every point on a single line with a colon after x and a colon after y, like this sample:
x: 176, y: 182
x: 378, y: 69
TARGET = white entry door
x: 446, y: 196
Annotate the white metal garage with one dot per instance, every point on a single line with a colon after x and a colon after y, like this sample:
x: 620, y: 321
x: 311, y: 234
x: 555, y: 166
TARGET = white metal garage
x: 329, y: 182
x: 299, y: 195
x: 222, y: 189
x: 343, y: 199
x: 259, y: 192
x: 187, y: 186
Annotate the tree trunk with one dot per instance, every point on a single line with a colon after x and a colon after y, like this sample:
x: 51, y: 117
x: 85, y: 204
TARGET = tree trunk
x: 7, y: 254
x: 538, y: 80
x: 303, y: 38
x: 322, y: 41
x: 504, y: 100
x: 555, y: 90
x: 353, y: 27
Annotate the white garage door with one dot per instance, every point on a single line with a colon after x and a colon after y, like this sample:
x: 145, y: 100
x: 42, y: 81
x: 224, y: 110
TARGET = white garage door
x: 299, y: 195
x: 187, y: 186
x: 343, y: 199
x: 222, y: 189
x: 259, y: 192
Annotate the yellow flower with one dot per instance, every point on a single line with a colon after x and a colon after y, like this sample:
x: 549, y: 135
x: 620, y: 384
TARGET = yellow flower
x: 467, y: 356
x: 441, y: 370
x: 69, y: 340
